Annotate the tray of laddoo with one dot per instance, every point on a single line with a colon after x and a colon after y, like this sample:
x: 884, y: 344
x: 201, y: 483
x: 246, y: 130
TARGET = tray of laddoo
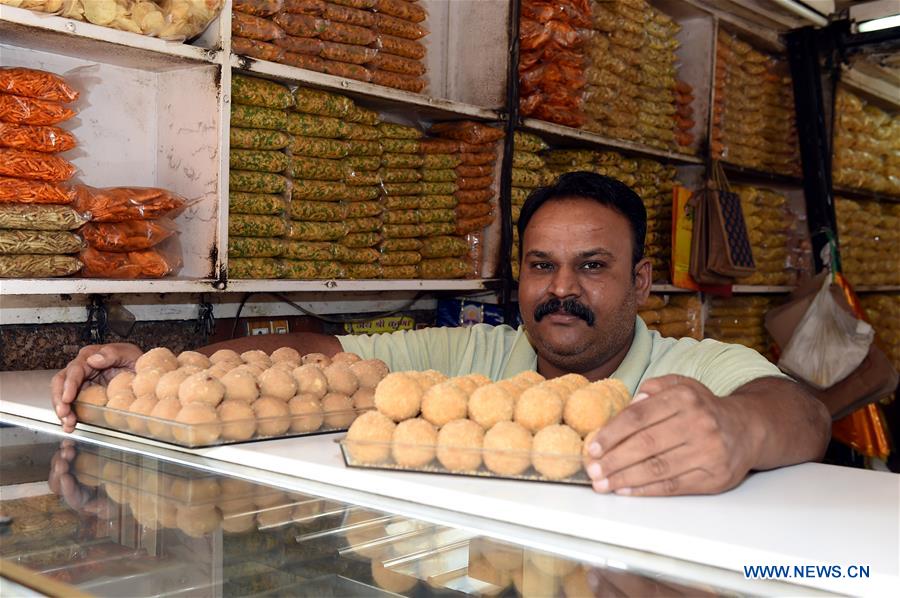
x: 194, y: 401
x: 523, y: 428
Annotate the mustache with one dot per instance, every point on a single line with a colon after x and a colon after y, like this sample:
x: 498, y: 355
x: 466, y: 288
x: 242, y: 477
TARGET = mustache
x: 570, y: 306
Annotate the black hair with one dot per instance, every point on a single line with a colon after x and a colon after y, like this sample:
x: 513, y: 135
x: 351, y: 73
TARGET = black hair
x: 607, y: 191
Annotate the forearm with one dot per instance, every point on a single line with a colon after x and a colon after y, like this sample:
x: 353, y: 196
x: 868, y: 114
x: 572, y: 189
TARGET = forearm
x: 303, y: 342
x: 786, y: 423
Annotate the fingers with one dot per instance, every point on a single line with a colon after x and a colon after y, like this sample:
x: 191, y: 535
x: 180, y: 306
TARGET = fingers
x: 635, y: 417
x: 657, y: 468
x: 695, y: 481
x: 652, y: 386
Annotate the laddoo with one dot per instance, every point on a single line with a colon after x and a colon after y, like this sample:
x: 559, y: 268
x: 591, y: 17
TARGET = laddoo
x: 167, y: 386
x: 340, y: 378
x: 338, y: 408
x: 588, y: 408
x: 364, y: 398
x: 140, y: 407
x: 166, y: 409
x: 444, y: 402
x: 93, y: 395
x: 285, y: 354
x: 515, y: 390
x: 479, y: 379
x: 200, y: 424
x: 278, y: 384
x: 398, y: 396
x: 306, y: 413
x: 159, y: 358
x: 345, y: 357
x: 193, y: 358
x: 144, y: 382
x: 507, y: 448
x: 219, y: 369
x: 240, y: 385
x: 195, y: 490
x: 538, y: 407
x: 572, y: 381
x: 121, y: 381
x: 238, y: 523
x: 528, y: 378
x: 556, y: 452
x: 311, y: 380
x: 224, y: 355
x: 490, y: 404
x: 369, y: 438
x: 619, y: 392
x: 459, y: 445
x: 464, y: 383
x: 201, y: 388
x: 251, y: 368
x: 319, y: 359
x: 238, y: 419
x: 369, y: 372
x: 274, y: 416
x: 116, y: 408
x: 256, y: 356
x: 198, y: 521
x: 413, y: 443
x: 287, y: 366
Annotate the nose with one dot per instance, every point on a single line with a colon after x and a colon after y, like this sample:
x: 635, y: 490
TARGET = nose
x: 564, y: 284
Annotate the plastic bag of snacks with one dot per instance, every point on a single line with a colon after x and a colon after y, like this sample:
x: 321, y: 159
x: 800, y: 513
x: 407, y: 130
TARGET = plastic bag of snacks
x: 118, y: 204
x: 156, y: 262
x: 131, y: 235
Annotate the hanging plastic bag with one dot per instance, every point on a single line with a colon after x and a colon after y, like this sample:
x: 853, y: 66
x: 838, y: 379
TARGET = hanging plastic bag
x: 828, y: 344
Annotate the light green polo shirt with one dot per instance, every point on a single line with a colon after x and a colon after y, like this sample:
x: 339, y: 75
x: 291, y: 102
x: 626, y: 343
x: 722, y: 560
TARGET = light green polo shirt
x: 501, y: 352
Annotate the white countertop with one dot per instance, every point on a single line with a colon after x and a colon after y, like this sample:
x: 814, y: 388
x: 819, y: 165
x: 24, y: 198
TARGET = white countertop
x: 809, y: 514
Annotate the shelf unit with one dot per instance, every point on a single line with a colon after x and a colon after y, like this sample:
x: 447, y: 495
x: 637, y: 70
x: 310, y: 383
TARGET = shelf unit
x: 467, y: 66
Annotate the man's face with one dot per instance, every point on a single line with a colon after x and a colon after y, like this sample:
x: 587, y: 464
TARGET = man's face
x: 577, y: 292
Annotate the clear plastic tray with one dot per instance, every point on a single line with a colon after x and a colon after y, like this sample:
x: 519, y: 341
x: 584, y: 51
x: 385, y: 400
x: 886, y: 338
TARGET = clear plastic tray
x: 568, y: 469
x: 205, y: 435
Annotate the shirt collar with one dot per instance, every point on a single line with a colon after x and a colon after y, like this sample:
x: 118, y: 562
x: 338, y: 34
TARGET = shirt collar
x: 637, y: 360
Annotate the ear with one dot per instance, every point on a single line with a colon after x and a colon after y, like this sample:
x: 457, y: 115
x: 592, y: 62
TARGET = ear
x: 643, y: 278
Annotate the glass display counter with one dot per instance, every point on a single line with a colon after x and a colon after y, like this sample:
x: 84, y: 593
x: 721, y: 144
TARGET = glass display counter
x: 109, y: 522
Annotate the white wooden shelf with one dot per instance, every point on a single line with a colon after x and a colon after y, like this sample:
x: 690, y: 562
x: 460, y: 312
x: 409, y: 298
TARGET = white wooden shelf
x: 554, y: 133
x: 745, y: 289
x: 380, y: 97
x: 38, y: 31
x: 669, y: 288
x: 104, y: 286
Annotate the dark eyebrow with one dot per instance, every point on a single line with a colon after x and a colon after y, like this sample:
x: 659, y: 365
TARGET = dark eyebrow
x: 596, y: 252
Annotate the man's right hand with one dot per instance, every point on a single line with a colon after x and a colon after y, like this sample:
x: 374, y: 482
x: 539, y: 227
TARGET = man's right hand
x: 96, y: 363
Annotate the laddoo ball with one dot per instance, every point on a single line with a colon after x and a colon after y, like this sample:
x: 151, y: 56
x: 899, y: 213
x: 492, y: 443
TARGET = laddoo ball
x: 413, y: 443
x: 369, y: 372
x: 490, y: 404
x: 338, y: 409
x: 364, y: 398
x: 240, y: 385
x: 479, y: 379
x: 310, y: 380
x: 572, y: 381
x: 273, y: 414
x: 252, y: 368
x: 345, y: 357
x: 459, y: 445
x: 287, y: 366
x: 201, y: 388
x: 168, y: 384
x: 464, y: 383
x: 537, y: 408
x: 141, y: 408
x: 167, y: 410
x: 195, y: 490
x: 88, y: 398
x: 144, y: 382
x: 224, y: 355
x: 278, y: 384
x: 319, y: 359
x: 198, y: 521
x: 340, y: 378
x: 556, y: 452
x: 256, y: 356
x: 620, y: 393
x: 285, y: 354
x: 306, y: 413
x: 159, y: 358
x: 238, y: 523
x: 200, y: 424
x: 193, y: 358
x: 588, y: 408
x: 238, y: 419
x: 514, y: 390
x: 369, y: 438
x: 121, y: 381
x: 398, y: 396
x: 507, y: 448
x: 432, y: 377
x: 117, y: 407
x: 528, y: 378
x: 444, y: 402
x: 219, y: 369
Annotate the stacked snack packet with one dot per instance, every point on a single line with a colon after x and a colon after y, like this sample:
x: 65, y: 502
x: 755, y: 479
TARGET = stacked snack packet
x: 769, y: 226
x: 866, y: 146
x: 739, y: 320
x: 367, y: 40
x: 676, y: 315
x: 35, y: 222
x: 258, y: 186
x: 529, y: 172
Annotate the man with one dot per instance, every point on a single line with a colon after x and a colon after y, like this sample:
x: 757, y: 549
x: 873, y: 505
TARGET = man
x: 705, y: 413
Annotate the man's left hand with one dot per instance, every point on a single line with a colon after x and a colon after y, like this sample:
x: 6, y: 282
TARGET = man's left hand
x: 676, y: 437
